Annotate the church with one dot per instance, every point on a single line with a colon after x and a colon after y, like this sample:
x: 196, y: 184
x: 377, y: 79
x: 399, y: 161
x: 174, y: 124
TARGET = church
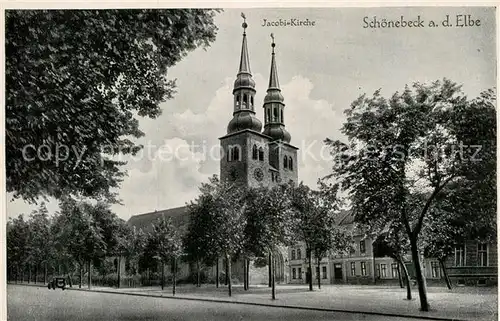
x: 254, y: 155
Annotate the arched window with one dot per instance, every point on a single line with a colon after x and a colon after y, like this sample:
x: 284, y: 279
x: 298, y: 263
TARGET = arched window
x: 268, y: 119
x: 238, y: 101
x: 290, y: 163
x: 245, y: 100
x: 254, y: 152
x: 282, y: 121
x: 261, y: 154
x: 230, y: 154
x: 299, y: 256
x: 285, y: 162
x: 275, y: 114
x: 251, y: 101
x: 236, y: 153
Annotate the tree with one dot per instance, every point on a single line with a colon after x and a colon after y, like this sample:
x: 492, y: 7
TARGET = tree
x: 41, y: 243
x: 392, y: 241
x: 270, y: 222
x: 17, y: 244
x: 75, y: 82
x: 316, y: 226
x: 223, y: 206
x: 402, y: 152
x: 167, y: 245
x: 82, y: 235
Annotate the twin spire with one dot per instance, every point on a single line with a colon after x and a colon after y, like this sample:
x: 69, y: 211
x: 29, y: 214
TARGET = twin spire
x: 244, y: 92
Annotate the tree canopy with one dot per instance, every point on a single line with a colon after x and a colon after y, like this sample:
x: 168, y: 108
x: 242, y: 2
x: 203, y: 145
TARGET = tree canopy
x: 76, y: 80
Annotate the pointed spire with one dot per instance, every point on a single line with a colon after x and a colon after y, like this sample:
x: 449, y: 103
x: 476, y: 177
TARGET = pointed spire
x: 273, y: 78
x: 244, y: 60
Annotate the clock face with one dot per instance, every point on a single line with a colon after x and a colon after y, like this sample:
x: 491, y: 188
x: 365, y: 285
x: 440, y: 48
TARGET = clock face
x: 258, y: 174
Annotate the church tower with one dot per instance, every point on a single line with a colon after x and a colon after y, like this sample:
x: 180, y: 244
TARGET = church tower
x: 250, y: 157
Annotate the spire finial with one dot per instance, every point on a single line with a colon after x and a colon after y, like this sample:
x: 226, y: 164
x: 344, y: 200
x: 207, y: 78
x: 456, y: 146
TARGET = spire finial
x: 244, y: 24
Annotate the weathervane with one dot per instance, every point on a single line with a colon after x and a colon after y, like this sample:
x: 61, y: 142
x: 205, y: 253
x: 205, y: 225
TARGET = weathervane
x: 272, y: 44
x: 244, y: 24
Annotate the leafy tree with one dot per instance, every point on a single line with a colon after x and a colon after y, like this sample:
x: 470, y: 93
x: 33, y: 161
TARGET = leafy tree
x: 167, y: 245
x: 17, y: 244
x: 392, y: 241
x: 41, y: 243
x: 222, y: 206
x: 403, y: 151
x: 82, y: 235
x: 316, y: 224
x: 76, y: 80
x: 270, y: 222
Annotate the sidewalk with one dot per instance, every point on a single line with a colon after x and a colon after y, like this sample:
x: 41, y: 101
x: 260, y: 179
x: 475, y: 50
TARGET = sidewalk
x: 468, y: 303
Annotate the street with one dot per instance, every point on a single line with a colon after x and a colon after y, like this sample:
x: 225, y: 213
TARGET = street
x: 39, y: 303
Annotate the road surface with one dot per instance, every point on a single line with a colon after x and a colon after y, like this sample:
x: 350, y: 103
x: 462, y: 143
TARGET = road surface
x: 39, y: 303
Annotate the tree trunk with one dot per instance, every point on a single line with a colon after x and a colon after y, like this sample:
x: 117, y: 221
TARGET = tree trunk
x: 422, y: 290
x: 309, y: 257
x: 445, y: 274
x: 319, y: 274
x: 270, y: 270
x: 162, y: 275
x: 217, y: 273
x: 89, y: 277
x: 198, y: 276
x: 228, y: 274
x: 407, y: 280
x: 36, y: 273
x: 81, y: 275
x: 174, y: 281
x: 245, y: 274
x: 45, y: 273
x: 400, y: 279
x: 17, y: 273
x: 248, y: 274
x: 119, y: 272
x: 29, y: 273
x: 273, y: 272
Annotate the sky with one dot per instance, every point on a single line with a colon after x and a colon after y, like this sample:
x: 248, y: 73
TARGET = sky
x: 322, y: 69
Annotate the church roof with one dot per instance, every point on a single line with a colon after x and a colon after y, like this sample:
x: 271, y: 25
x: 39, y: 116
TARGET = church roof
x: 179, y: 216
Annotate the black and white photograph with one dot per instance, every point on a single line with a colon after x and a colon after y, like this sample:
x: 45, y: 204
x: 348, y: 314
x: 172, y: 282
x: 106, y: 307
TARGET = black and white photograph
x: 249, y: 162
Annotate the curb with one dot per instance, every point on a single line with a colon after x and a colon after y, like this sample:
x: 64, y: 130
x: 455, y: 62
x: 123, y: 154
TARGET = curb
x: 298, y: 307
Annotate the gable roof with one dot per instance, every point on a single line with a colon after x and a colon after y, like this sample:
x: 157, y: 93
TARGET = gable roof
x: 346, y: 217
x: 179, y: 216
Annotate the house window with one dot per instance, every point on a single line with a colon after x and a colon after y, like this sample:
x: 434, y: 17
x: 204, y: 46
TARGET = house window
x: 298, y: 254
x: 285, y: 162
x: 394, y: 270
x: 317, y: 272
x: 323, y: 269
x: 434, y: 269
x: 254, y: 152
x: 353, y: 268
x: 482, y: 254
x: 293, y: 254
x: 300, y: 273
x: 294, y: 273
x: 261, y: 153
x: 383, y: 270
x: 363, y: 268
x: 460, y: 255
x: 378, y: 270
x: 362, y: 248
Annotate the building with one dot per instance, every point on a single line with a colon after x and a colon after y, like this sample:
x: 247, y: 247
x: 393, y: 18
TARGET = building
x: 254, y: 155
x: 472, y: 263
